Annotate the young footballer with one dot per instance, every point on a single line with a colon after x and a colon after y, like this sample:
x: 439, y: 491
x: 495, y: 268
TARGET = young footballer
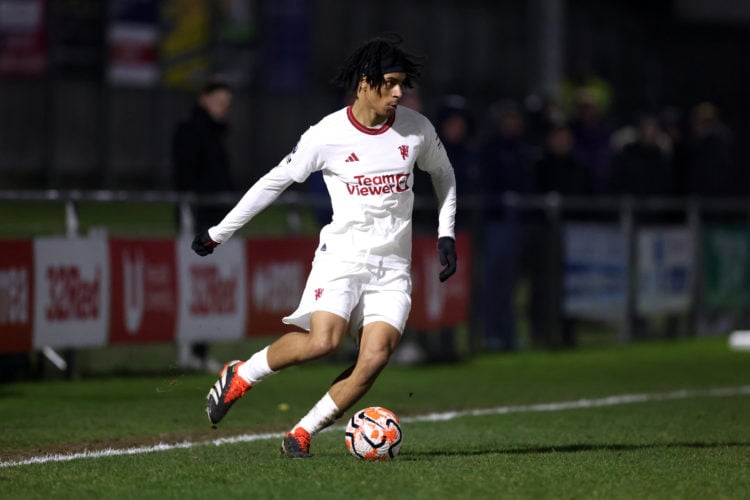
x: 360, y: 282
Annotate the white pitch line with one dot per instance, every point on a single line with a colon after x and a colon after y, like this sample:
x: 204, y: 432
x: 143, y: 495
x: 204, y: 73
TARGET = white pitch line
x: 623, y: 399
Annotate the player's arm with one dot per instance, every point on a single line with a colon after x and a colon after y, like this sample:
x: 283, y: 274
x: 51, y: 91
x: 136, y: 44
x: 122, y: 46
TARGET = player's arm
x: 444, y: 184
x: 436, y: 163
x: 296, y: 167
x: 258, y: 197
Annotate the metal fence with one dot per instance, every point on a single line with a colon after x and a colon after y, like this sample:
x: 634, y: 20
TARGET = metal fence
x: 553, y: 216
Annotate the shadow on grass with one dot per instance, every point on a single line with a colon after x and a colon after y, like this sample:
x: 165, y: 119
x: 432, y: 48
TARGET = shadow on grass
x: 572, y: 448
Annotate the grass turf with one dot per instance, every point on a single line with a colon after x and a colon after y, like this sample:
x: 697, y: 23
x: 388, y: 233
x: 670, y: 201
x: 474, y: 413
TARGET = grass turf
x: 695, y: 447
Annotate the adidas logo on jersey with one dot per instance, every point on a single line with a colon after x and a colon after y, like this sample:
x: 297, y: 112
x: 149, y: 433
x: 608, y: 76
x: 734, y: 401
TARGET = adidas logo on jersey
x: 352, y: 157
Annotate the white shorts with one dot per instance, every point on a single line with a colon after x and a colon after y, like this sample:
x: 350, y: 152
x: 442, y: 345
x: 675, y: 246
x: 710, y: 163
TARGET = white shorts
x: 359, y: 293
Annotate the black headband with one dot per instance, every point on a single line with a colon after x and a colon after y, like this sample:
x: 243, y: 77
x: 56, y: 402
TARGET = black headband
x: 392, y: 63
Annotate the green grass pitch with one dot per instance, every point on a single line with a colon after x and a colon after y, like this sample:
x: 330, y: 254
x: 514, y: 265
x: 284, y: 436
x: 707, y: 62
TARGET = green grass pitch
x: 681, y: 439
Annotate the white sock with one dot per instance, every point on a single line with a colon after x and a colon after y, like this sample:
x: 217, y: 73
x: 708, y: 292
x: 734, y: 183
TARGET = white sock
x: 256, y: 368
x: 324, y: 413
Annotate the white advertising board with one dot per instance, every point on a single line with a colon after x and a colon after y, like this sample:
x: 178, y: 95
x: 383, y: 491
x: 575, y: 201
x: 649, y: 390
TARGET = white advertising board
x: 665, y: 270
x: 212, y: 301
x: 595, y: 271
x: 71, y: 290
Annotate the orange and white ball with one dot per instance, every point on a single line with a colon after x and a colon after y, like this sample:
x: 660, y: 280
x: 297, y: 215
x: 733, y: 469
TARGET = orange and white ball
x: 374, y: 433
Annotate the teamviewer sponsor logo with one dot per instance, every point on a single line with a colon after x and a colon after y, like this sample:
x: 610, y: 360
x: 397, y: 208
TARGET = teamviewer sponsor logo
x: 373, y: 185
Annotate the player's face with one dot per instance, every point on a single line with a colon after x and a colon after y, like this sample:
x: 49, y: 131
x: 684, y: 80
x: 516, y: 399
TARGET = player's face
x: 384, y: 101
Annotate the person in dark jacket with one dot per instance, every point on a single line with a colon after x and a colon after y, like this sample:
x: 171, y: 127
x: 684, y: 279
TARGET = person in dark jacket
x: 199, y: 154
x: 642, y: 167
x: 710, y: 169
x: 558, y: 170
x: 200, y: 162
x: 507, y: 167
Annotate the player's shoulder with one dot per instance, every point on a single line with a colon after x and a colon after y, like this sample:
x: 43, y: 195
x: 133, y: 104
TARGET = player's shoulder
x: 332, y: 120
x: 409, y: 116
x: 327, y: 125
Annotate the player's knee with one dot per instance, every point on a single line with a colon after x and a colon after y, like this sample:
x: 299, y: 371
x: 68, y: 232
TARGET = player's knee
x: 320, y: 346
x: 374, y: 360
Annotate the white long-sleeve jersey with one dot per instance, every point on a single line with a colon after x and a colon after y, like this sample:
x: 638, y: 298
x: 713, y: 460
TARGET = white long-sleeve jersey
x: 369, y: 175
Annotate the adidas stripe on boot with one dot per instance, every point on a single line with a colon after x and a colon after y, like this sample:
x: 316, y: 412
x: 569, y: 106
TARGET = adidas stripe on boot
x: 226, y: 391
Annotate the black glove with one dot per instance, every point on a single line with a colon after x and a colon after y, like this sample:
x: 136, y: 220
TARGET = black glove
x: 203, y: 244
x: 448, y: 258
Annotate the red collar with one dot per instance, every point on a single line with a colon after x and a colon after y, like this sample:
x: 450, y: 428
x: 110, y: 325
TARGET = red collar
x: 368, y: 130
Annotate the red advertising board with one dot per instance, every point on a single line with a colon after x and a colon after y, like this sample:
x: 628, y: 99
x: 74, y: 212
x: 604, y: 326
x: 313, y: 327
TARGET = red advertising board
x: 132, y: 36
x: 277, y: 269
x: 23, y: 37
x: 62, y: 292
x: 436, y: 304
x: 144, y: 291
x: 16, y: 296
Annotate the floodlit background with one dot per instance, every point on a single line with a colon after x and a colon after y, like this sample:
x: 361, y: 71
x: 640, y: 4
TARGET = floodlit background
x: 581, y: 351
x: 645, y: 102
x: 91, y: 90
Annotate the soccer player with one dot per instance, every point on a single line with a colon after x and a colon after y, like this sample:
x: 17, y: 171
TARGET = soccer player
x: 360, y: 282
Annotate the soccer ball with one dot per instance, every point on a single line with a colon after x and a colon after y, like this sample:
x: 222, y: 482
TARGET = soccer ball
x: 373, y: 434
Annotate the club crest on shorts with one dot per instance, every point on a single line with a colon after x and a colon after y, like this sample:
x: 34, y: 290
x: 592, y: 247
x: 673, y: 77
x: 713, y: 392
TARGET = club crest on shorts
x: 318, y: 293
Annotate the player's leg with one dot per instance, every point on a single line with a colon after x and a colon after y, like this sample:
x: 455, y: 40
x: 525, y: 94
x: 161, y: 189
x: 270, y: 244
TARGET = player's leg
x: 327, y: 330
x: 378, y: 341
x: 330, y: 294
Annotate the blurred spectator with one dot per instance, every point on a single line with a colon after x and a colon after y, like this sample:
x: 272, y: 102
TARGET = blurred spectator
x: 200, y: 164
x: 583, y: 79
x: 558, y: 170
x: 455, y: 126
x: 507, y: 157
x: 592, y: 139
x: 672, y: 123
x: 507, y: 166
x: 543, y: 115
x: 643, y: 167
x: 709, y: 169
x: 200, y: 160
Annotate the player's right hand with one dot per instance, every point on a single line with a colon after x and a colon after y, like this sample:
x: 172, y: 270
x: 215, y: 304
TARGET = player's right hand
x: 203, y: 244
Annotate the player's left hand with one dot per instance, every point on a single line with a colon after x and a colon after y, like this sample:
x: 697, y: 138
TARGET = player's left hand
x: 448, y: 258
x: 203, y: 244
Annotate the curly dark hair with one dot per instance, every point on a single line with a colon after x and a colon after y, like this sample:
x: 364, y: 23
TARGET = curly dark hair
x: 373, y: 58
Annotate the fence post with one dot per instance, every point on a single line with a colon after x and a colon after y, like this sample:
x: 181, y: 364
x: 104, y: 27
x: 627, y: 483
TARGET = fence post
x: 555, y: 292
x: 696, y: 299
x: 627, y: 221
x: 71, y: 219
x: 187, y: 223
